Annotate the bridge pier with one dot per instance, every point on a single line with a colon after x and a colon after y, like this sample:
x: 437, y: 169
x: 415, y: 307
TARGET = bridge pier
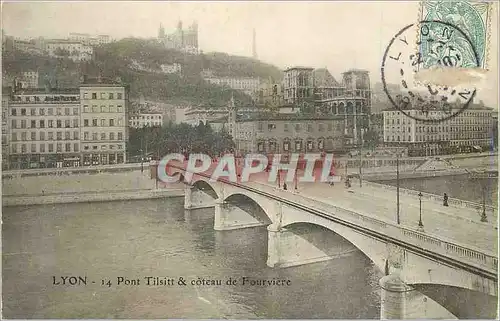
x: 195, y: 198
x: 231, y: 217
x: 401, y: 301
x: 291, y: 247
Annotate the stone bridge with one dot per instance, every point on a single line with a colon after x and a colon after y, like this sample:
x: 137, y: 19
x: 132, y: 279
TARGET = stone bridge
x: 423, y: 272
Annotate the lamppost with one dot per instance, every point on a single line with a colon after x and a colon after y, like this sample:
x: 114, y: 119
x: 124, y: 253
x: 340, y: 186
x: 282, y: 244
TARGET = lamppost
x: 420, y: 224
x: 480, y: 177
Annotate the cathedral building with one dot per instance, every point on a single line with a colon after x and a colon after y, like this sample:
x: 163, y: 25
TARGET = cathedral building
x: 185, y: 40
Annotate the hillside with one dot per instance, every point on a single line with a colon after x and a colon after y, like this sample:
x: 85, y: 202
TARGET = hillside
x: 115, y: 59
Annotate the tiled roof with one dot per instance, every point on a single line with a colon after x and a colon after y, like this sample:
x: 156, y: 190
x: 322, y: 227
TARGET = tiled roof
x: 323, y: 78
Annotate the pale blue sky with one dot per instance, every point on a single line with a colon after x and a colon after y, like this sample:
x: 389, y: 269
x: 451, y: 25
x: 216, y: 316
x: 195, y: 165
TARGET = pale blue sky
x: 337, y: 35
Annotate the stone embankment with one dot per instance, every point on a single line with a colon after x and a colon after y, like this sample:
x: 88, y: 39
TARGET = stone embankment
x: 77, y: 187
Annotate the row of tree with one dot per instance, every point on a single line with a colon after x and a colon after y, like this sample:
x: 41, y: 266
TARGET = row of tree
x: 179, y: 138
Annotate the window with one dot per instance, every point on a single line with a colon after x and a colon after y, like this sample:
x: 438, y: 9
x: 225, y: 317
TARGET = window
x: 85, y: 108
x: 14, y: 148
x: 33, y: 135
x: 51, y: 148
x: 120, y: 122
x: 120, y: 136
x: 67, y: 135
x: 85, y: 95
x: 94, y: 122
x: 119, y: 108
x: 94, y: 136
x: 321, y: 127
x: 23, y: 111
x: 42, y: 148
x: 111, y: 136
x: 75, y: 135
x: 103, y: 136
x: 75, y: 111
x: 66, y: 123
x: 33, y: 148
x: 23, y: 148
x: 75, y: 147
x: 59, y: 136
x: 33, y: 124
x: 14, y: 112
x: 103, y: 122
x: 104, y: 109
x: 85, y: 123
x: 59, y: 111
x: 94, y: 95
x: 51, y: 136
x: 50, y: 111
x: 42, y: 123
x: 103, y: 95
x: 42, y: 135
x: 95, y: 109
x: 86, y: 136
x: 111, y: 122
x: 59, y: 123
x: 14, y: 137
x: 59, y: 147
x: 68, y: 147
x: 309, y: 128
x: 119, y: 96
x: 66, y: 111
x: 14, y: 123
x: 330, y: 127
x: 297, y: 127
x: 75, y: 123
x: 111, y: 108
x: 111, y: 96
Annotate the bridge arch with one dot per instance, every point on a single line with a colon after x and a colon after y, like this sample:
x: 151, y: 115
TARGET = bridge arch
x: 376, y: 251
x: 250, y: 206
x: 205, y: 187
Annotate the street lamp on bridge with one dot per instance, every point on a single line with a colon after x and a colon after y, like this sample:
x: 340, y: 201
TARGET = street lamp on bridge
x: 420, y: 224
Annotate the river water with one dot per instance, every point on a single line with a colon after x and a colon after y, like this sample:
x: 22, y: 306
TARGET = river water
x: 136, y: 239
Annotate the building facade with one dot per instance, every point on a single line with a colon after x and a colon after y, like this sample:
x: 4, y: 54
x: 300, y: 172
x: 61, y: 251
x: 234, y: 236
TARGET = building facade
x: 298, y: 85
x: 28, y: 79
x: 288, y: 134
x: 44, y: 128
x: 141, y: 120
x: 89, y: 40
x: 469, y: 131
x: 75, y: 50
x: 185, y: 40
x: 69, y: 127
x: 248, y: 85
x: 5, y: 127
x: 104, y: 120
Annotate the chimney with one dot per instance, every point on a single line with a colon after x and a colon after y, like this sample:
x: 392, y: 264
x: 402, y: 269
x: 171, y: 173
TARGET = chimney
x: 85, y: 77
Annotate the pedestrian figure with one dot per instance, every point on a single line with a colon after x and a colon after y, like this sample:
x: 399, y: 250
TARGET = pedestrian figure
x: 347, y: 183
x: 284, y: 186
x: 445, y: 200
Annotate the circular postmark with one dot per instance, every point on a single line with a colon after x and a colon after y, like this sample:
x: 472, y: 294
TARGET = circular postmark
x: 438, y: 44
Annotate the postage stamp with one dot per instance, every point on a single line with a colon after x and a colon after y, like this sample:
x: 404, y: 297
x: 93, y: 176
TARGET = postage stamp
x: 473, y: 18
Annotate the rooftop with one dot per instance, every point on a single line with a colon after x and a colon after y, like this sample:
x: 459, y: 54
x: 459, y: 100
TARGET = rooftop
x: 299, y: 68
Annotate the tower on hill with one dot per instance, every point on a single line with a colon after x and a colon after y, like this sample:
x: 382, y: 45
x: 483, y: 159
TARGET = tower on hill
x: 254, y: 45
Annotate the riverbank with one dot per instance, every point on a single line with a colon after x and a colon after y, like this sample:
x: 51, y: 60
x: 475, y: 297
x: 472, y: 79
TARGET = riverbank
x: 84, y: 197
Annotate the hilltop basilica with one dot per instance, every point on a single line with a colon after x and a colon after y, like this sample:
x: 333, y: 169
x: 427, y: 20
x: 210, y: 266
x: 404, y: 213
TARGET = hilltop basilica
x: 185, y: 40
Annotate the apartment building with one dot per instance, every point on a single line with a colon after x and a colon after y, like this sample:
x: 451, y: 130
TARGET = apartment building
x: 67, y: 127
x: 44, y: 128
x: 75, y: 50
x: 104, y: 122
x: 470, y: 130
x: 141, y: 120
x: 5, y: 127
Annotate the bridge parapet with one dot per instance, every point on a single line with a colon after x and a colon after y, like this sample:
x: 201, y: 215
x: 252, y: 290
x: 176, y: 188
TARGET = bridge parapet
x: 433, y: 197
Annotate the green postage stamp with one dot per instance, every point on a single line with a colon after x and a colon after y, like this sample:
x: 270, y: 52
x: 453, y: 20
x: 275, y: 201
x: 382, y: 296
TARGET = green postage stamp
x: 468, y: 24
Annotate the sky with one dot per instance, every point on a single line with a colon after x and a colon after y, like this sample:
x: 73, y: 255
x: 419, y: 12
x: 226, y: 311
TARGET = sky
x: 334, y: 34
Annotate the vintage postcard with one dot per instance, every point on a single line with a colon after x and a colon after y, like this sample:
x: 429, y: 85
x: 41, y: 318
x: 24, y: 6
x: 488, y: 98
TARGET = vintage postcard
x: 249, y: 160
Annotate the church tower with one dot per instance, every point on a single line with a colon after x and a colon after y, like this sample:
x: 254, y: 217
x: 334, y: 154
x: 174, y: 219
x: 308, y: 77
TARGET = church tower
x: 254, y: 45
